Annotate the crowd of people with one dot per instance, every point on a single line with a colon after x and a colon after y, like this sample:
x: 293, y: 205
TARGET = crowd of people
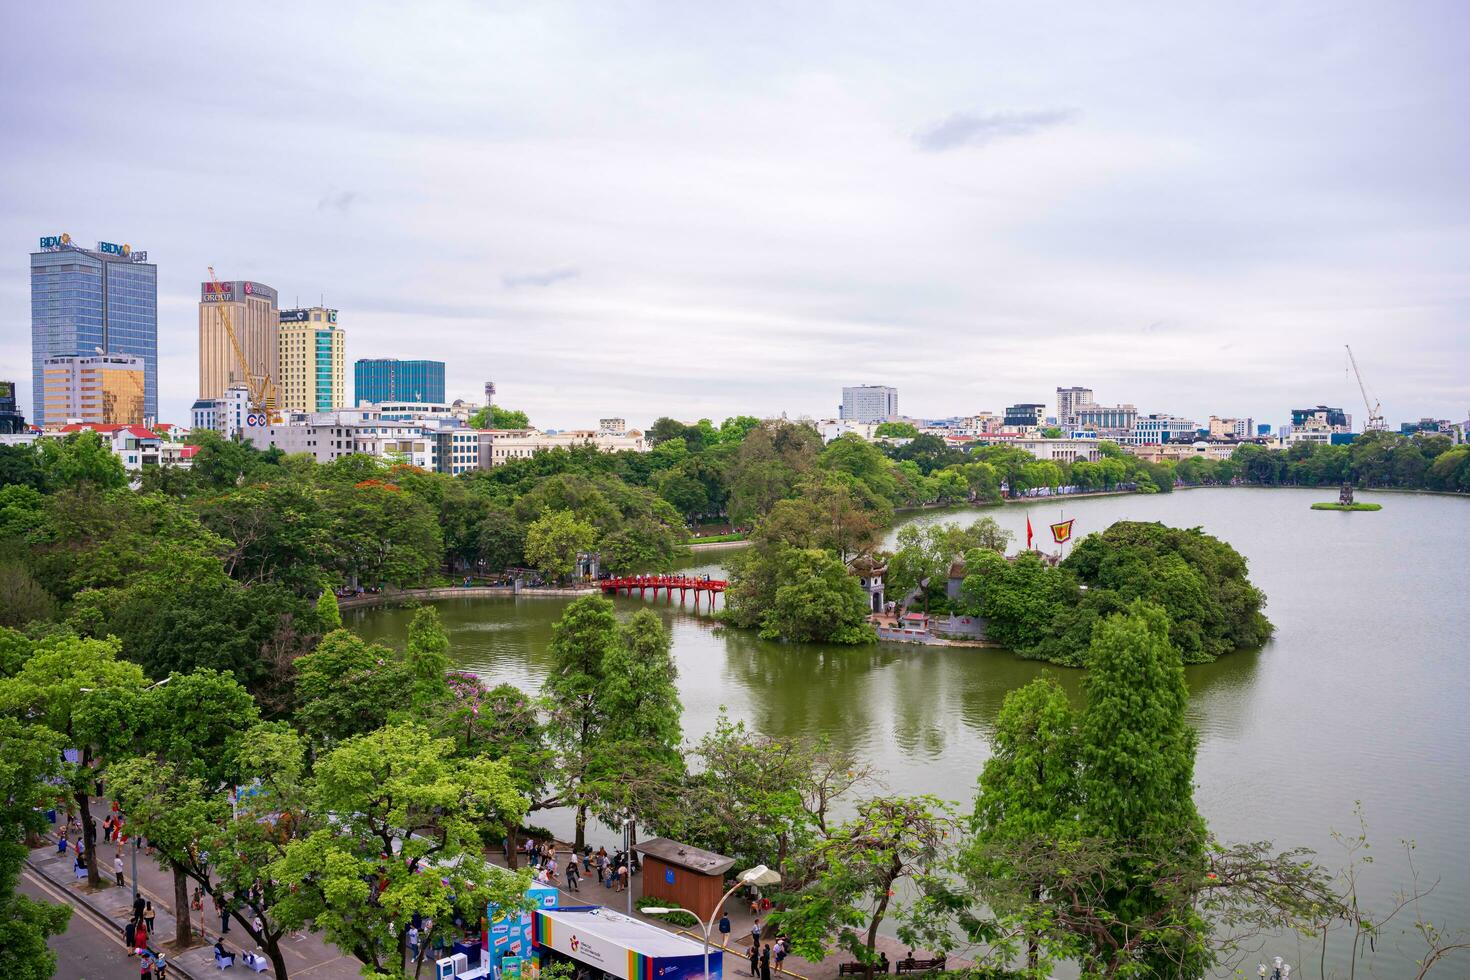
x: 612, y: 870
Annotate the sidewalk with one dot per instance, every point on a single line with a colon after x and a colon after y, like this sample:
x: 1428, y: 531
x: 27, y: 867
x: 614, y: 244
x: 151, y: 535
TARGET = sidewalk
x: 306, y: 954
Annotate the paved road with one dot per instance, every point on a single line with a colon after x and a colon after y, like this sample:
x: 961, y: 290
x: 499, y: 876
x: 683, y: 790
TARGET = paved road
x: 87, y: 950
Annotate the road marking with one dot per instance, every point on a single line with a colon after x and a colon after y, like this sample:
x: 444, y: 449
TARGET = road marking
x: 87, y: 914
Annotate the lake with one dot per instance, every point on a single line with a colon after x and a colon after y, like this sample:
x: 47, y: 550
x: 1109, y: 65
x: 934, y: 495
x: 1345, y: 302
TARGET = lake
x: 1363, y: 694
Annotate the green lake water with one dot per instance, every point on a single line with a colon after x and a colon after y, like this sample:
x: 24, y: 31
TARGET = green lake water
x: 1363, y: 694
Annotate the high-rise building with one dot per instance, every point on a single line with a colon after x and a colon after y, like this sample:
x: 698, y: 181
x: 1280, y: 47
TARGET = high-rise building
x: 869, y: 403
x: 313, y: 369
x: 387, y: 379
x: 256, y: 321
x: 104, y: 389
x: 1322, y: 418
x: 91, y: 301
x: 1069, y: 400
x: 11, y: 419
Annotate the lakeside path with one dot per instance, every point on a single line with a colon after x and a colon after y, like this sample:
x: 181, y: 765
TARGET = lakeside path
x: 103, y: 913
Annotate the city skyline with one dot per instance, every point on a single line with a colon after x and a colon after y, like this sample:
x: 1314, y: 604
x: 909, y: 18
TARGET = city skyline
x: 655, y: 211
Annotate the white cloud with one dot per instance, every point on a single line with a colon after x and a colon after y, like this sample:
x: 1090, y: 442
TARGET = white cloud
x: 639, y: 210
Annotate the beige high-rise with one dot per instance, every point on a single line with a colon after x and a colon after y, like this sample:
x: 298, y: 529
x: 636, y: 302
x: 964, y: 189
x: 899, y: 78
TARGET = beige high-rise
x: 313, y: 372
x: 256, y: 319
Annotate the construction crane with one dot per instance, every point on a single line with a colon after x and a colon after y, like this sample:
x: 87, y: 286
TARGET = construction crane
x: 1375, y: 410
x: 261, y: 391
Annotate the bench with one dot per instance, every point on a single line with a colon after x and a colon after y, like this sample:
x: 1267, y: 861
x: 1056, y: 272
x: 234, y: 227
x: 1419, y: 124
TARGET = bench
x: 860, y: 969
x: 911, y: 965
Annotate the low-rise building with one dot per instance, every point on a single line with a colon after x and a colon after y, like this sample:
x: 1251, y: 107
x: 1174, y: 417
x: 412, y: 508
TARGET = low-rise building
x: 1156, y: 429
x: 500, y: 446
x: 1060, y: 450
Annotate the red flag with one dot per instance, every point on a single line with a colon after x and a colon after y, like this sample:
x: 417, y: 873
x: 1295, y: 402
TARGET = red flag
x: 1028, y: 532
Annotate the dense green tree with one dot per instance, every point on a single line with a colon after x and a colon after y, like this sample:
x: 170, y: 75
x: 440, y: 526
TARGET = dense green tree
x: 427, y: 659
x: 639, y: 770
x: 1137, y: 789
x: 276, y: 532
x: 21, y: 466
x: 1028, y: 789
x: 501, y: 542
x: 1019, y: 598
x: 575, y: 691
x: 771, y: 461
x: 328, y: 614
x: 397, y: 792
x: 734, y: 430
x: 498, y: 417
x: 223, y: 464
x: 382, y: 535
x: 70, y: 687
x: 554, y: 541
x: 896, y: 430
x: 1199, y: 580
x: 80, y: 459
x: 29, y: 763
x: 348, y: 687
x: 22, y: 599
x: 830, y: 513
x: 816, y: 600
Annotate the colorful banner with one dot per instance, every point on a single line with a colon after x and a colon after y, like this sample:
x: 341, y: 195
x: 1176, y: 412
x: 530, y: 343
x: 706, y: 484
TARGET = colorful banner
x: 1062, y: 531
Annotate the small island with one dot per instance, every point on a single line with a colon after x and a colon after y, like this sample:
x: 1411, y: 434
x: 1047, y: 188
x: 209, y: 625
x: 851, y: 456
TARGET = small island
x: 1345, y: 502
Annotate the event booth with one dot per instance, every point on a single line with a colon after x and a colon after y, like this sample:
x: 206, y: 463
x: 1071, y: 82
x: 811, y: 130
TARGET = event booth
x: 610, y: 944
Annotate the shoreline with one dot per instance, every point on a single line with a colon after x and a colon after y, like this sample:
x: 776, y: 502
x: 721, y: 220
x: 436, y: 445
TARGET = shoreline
x: 458, y: 592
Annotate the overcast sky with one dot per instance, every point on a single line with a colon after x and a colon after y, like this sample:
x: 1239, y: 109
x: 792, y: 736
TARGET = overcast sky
x: 704, y: 209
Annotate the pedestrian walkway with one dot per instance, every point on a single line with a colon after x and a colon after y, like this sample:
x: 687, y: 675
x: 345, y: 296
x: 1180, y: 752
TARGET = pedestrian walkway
x: 305, y: 953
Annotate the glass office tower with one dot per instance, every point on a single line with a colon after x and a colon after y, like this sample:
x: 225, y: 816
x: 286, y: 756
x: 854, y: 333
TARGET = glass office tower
x: 386, y: 379
x: 85, y: 301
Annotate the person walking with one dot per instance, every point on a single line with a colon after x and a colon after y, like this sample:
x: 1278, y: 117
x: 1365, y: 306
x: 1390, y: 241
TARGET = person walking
x: 138, y: 906
x: 413, y: 944
x: 223, y: 913
x: 724, y: 928
x: 780, y: 952
x: 160, y: 966
x: 755, y: 931
x: 130, y: 932
x: 148, y: 915
x: 623, y: 876
x: 574, y: 875
x: 766, y: 963
x: 61, y: 841
x: 140, y: 938
x: 755, y: 957
x: 117, y: 867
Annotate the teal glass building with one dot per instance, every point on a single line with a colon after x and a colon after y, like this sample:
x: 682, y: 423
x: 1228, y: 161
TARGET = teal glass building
x: 385, y: 379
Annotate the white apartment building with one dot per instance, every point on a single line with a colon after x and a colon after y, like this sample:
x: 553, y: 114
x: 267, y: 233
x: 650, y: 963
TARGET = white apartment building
x: 1152, y: 429
x: 869, y: 403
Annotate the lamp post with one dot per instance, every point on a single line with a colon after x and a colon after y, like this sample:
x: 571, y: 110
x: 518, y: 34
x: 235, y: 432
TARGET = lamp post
x: 756, y: 876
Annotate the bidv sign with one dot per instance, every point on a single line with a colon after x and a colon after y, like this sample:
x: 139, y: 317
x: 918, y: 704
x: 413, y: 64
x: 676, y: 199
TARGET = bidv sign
x: 122, y: 251
x: 53, y: 242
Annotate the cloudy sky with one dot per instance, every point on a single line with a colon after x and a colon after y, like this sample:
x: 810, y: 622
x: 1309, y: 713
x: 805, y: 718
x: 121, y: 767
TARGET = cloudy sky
x: 702, y: 209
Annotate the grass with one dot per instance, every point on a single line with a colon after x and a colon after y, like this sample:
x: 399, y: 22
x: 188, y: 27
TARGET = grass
x: 1326, y: 506
x: 679, y: 918
x: 716, y: 538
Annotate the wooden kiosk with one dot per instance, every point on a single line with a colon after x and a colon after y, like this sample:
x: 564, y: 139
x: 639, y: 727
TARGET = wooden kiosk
x: 683, y: 875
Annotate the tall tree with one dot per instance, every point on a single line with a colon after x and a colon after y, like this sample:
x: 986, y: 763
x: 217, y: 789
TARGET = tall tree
x: 404, y: 840
x: 575, y: 690
x: 427, y: 658
x: 1029, y: 789
x: 638, y: 771
x: 554, y: 541
x: 1137, y: 787
x: 29, y: 762
x: 70, y: 685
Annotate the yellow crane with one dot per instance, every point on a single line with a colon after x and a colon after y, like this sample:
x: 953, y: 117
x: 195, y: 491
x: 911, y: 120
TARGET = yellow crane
x: 261, y: 391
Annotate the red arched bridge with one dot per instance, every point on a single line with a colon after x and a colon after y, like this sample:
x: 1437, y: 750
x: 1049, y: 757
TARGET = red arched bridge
x: 698, y: 584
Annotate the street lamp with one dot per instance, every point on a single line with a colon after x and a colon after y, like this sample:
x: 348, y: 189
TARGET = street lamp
x: 755, y: 877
